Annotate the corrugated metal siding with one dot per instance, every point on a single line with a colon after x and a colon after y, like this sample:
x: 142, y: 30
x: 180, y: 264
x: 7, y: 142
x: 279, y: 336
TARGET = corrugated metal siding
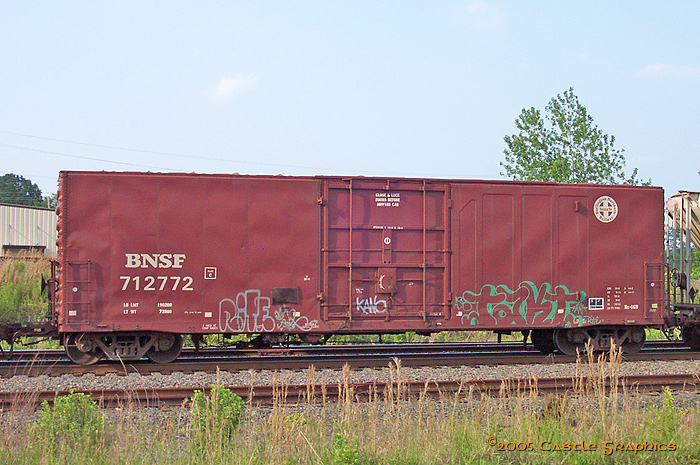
x: 28, y: 226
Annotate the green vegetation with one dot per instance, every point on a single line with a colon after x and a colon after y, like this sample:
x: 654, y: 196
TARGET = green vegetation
x: 564, y: 146
x: 73, y: 420
x: 414, y: 338
x: 20, y: 289
x: 214, y: 417
x: 695, y: 268
x: 587, y: 426
x: 18, y: 190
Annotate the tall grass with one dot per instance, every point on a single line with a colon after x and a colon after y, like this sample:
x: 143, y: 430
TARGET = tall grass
x: 20, y: 289
x: 517, y: 426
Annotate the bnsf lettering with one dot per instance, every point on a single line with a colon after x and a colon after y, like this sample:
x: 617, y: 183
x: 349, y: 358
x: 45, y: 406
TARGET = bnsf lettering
x: 154, y: 260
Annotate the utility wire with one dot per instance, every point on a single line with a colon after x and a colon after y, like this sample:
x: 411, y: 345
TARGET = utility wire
x: 29, y: 149
x: 171, y: 154
x: 128, y: 149
x: 153, y: 152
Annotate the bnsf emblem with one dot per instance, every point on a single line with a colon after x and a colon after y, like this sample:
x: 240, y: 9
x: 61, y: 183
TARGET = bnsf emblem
x: 154, y: 260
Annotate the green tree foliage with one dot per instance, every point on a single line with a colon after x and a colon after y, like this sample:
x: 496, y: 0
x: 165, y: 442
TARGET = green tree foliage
x: 17, y: 190
x: 564, y: 146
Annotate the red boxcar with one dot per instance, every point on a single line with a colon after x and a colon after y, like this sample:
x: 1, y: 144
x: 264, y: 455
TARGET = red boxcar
x: 145, y: 258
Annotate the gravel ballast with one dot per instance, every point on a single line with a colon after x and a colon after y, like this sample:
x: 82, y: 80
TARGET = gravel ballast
x: 135, y: 381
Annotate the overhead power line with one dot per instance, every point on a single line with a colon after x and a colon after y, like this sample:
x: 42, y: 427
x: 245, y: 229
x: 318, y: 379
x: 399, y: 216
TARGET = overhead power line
x: 154, y: 152
x: 126, y: 149
x: 179, y: 155
x: 50, y: 152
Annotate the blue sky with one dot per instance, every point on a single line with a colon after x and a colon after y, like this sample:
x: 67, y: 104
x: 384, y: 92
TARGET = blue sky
x: 400, y: 88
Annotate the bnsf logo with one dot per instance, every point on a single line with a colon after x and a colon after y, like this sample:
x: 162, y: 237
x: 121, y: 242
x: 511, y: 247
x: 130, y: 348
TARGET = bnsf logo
x: 154, y: 260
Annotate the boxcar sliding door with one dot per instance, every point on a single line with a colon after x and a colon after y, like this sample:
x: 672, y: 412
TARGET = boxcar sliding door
x: 385, y: 252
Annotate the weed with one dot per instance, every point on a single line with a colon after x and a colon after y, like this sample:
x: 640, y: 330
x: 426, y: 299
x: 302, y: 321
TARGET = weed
x: 668, y: 417
x: 20, y: 290
x: 214, y: 417
x: 345, y: 451
x: 395, y: 427
x: 74, y: 419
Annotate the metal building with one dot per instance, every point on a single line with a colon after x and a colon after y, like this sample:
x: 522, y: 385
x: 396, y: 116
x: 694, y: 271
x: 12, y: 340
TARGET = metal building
x: 26, y: 229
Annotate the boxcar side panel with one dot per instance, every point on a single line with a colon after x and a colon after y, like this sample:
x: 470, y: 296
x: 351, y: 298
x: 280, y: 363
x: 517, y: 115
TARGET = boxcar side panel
x: 188, y: 253
x: 255, y: 254
x: 547, y: 255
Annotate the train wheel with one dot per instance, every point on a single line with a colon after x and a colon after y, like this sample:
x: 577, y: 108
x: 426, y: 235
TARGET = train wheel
x: 635, y: 342
x: 166, y: 348
x: 691, y: 337
x: 567, y: 341
x: 543, y: 340
x: 79, y: 350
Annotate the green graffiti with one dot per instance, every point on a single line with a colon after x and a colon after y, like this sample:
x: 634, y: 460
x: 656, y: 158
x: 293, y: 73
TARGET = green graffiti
x: 527, y: 304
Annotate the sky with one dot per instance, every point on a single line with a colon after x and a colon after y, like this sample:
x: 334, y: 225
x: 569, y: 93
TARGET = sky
x: 374, y: 88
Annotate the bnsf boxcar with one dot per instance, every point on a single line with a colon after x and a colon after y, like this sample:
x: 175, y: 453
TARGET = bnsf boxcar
x: 146, y: 258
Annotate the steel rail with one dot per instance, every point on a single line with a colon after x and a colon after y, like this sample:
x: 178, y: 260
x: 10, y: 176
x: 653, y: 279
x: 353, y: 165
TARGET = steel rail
x: 59, y: 354
x: 266, y: 395
x: 462, y: 347
x: 363, y: 357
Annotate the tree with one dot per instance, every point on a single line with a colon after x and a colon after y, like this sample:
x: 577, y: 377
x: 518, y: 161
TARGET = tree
x: 18, y: 190
x: 565, y: 146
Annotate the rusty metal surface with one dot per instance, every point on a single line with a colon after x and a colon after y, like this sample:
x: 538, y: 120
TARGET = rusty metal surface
x: 355, y: 358
x: 658, y: 346
x: 386, y: 254
x: 260, y: 254
x: 320, y: 393
x: 684, y: 212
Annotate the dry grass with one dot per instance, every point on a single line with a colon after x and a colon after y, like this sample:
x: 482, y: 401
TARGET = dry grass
x: 462, y: 428
x: 20, y: 289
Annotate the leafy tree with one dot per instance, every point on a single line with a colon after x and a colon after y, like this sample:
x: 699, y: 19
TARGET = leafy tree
x: 51, y: 200
x: 18, y: 190
x: 565, y: 146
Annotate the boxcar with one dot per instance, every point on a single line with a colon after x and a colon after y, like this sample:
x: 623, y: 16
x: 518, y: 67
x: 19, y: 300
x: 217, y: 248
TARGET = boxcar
x: 147, y: 258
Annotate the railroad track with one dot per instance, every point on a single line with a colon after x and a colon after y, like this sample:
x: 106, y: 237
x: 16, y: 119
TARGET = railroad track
x: 266, y: 395
x: 460, y: 347
x: 54, y: 362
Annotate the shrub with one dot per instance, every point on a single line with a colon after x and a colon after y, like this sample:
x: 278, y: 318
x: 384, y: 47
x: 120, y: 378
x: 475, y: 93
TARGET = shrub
x: 214, y: 417
x: 74, y: 419
x: 345, y: 451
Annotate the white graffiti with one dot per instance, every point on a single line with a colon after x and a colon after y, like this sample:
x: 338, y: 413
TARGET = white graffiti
x: 591, y: 320
x: 289, y: 319
x: 371, y: 305
x: 250, y: 313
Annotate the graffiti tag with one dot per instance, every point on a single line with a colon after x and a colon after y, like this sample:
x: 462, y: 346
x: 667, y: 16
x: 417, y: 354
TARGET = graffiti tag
x: 249, y: 312
x: 592, y: 320
x: 289, y: 319
x: 527, y: 304
x: 371, y: 305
